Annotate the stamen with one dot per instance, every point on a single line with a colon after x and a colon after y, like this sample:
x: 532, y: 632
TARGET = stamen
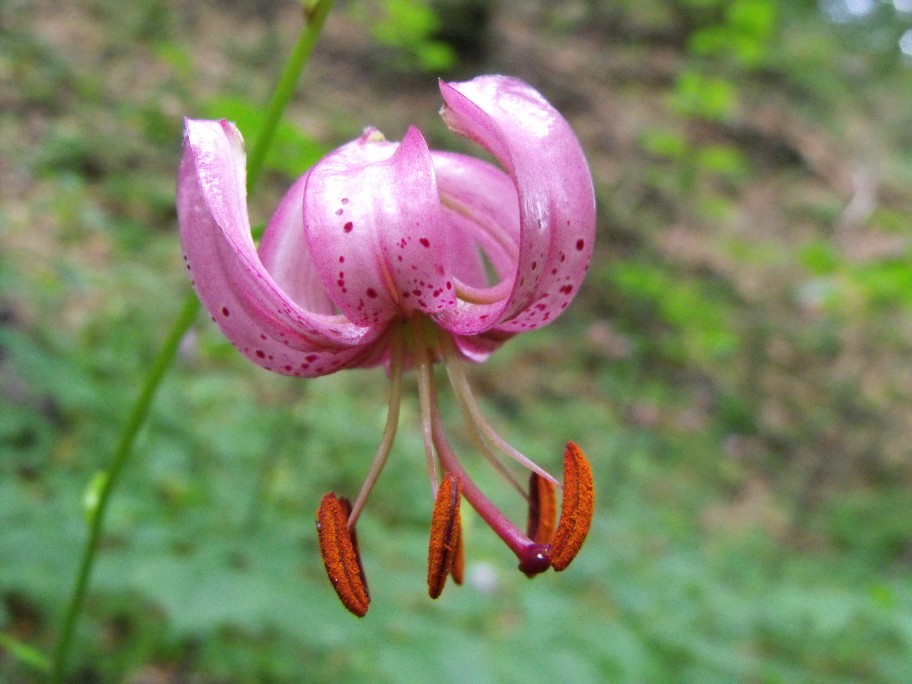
x: 347, y: 510
x: 489, y: 455
x: 428, y: 404
x: 339, y: 548
x: 389, y: 431
x: 576, y: 508
x: 460, y: 384
x: 457, y: 569
x: 497, y: 521
x: 445, y: 535
x: 542, y: 510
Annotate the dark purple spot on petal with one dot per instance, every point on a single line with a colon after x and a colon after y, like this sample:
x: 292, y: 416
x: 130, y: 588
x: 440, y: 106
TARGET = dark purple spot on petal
x: 425, y: 242
x: 225, y: 312
x: 345, y: 200
x: 341, y: 259
x: 580, y: 244
x: 349, y: 225
x: 260, y: 354
x: 339, y: 212
x: 311, y: 358
x: 371, y: 292
x: 566, y: 289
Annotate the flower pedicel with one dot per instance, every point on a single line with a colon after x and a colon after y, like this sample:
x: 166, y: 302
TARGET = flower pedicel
x: 393, y: 254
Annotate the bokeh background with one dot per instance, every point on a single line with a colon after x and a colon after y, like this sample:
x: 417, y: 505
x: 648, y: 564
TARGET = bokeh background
x: 738, y: 365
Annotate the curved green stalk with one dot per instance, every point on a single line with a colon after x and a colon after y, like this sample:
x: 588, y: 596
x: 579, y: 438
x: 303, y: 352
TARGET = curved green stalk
x: 316, y: 16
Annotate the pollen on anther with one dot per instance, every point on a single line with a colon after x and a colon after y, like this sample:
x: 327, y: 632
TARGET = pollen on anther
x: 577, y: 508
x: 446, y: 535
x: 339, y: 548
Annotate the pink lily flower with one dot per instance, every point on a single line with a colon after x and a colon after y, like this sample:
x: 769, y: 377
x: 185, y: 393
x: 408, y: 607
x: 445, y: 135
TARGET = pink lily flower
x: 394, y: 254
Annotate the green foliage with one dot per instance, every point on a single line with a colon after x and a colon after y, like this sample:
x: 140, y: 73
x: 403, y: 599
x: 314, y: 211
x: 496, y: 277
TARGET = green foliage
x: 742, y: 391
x: 408, y: 26
x: 699, y: 95
x: 886, y: 283
x: 699, y: 330
x: 744, y: 36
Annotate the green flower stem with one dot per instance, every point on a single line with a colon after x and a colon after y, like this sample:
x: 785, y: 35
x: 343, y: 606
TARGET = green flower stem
x: 315, y: 14
x: 135, y: 421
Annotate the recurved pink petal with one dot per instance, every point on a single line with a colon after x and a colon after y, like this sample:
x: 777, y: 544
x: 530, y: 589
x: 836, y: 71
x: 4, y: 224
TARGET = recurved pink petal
x: 254, y: 313
x: 540, y: 152
x: 375, y: 227
x: 481, y: 209
x: 285, y: 253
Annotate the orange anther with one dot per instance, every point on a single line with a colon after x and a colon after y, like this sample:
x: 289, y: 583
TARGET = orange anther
x: 576, y: 508
x: 339, y: 548
x: 445, y: 542
x: 542, y: 510
x: 457, y: 569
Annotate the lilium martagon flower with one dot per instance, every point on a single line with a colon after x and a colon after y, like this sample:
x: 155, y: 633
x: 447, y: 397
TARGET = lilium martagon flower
x: 393, y: 254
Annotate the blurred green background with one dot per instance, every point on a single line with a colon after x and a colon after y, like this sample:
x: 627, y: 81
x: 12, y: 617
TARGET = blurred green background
x: 738, y: 365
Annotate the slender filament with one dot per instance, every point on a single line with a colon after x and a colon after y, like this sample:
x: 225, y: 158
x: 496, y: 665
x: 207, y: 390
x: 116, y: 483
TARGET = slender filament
x: 498, y: 522
x: 460, y: 384
x: 389, y: 431
x: 428, y: 406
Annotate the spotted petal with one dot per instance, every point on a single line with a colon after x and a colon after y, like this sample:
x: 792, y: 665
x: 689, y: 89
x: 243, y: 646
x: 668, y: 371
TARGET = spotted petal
x: 262, y: 320
x: 376, y: 229
x: 556, y: 200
